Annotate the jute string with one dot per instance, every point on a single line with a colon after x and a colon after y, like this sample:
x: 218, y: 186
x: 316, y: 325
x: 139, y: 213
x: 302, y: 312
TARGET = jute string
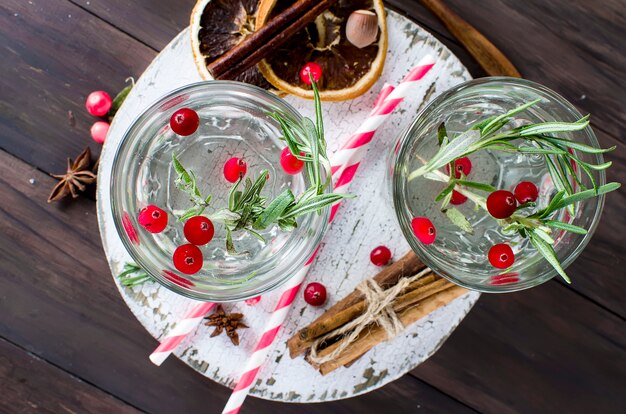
x: 379, y: 310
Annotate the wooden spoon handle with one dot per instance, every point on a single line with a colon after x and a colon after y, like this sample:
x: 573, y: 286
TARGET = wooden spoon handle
x: 486, y: 54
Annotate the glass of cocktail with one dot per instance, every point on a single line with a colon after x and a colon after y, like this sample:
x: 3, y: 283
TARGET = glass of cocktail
x: 236, y: 133
x: 477, y: 179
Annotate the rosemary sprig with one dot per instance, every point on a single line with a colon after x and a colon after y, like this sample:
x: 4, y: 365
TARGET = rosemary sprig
x: 186, y: 182
x: 560, y: 159
x: 555, y: 150
x: 248, y: 209
x: 133, y: 275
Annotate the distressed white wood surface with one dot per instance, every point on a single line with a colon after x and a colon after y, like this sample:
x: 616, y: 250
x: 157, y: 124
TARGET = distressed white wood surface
x: 343, y: 261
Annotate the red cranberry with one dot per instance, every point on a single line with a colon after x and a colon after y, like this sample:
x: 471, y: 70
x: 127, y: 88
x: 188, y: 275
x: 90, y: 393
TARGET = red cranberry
x: 153, y: 219
x: 234, y: 168
x: 198, y: 230
x: 501, y: 256
x: 525, y: 192
x: 501, y: 204
x: 98, y: 103
x: 187, y: 259
x: 291, y: 165
x: 457, y: 198
x: 253, y: 301
x: 185, y: 121
x: 380, y: 256
x: 99, y: 131
x: 315, y: 294
x: 314, y: 69
x: 424, y: 230
x: 461, y: 165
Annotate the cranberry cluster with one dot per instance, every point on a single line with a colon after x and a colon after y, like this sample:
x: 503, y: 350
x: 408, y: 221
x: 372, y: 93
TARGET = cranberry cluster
x: 198, y: 230
x: 501, y: 204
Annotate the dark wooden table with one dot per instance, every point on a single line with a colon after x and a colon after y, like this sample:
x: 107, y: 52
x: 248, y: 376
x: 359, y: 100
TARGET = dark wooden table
x: 69, y: 344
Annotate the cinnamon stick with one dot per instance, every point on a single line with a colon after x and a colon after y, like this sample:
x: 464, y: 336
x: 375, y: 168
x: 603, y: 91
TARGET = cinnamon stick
x: 374, y: 334
x: 408, y: 265
x: 267, y: 38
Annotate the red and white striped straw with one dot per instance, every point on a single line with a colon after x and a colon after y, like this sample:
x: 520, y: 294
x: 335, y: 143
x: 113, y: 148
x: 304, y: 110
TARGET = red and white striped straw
x: 186, y: 325
x: 350, y: 156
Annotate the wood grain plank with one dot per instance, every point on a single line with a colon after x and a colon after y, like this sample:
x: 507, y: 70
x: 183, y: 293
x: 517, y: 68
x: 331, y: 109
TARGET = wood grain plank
x: 54, y: 55
x: 29, y: 385
x: 154, y: 23
x: 59, y: 302
x: 598, y: 272
x: 544, y: 350
x: 574, y: 47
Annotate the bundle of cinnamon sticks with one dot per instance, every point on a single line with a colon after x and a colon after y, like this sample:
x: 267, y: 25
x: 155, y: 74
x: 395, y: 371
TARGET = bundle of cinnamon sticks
x: 418, y: 299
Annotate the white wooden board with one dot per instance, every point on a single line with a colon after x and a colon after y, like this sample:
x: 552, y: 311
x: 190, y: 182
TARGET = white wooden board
x: 343, y: 261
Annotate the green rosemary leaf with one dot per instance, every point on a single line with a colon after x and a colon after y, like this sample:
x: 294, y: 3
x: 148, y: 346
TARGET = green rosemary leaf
x: 133, y: 275
x: 547, y: 251
x: 274, y: 210
x: 481, y: 124
x: 441, y: 133
x: 446, y: 201
x: 566, y: 170
x: 479, y: 186
x: 597, y: 167
x: 232, y: 197
x: 183, y: 175
x: 460, y: 146
x: 543, y: 236
x: 560, y: 183
x: 245, y: 212
x: 251, y: 190
x: 192, y: 212
x: 499, y: 121
x: 502, y: 144
x: 584, y: 195
x: 550, y: 127
x: 255, y: 234
x: 288, y: 224
x: 445, y: 191
x: 224, y: 215
x: 552, y: 206
x: 318, y: 109
x: 459, y: 220
x: 534, y: 150
x: 230, y: 246
x: 565, y: 226
x: 526, y: 205
x: 316, y: 203
x: 576, y: 145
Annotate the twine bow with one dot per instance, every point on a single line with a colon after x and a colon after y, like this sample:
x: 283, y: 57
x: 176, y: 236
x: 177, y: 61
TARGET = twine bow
x: 379, y: 310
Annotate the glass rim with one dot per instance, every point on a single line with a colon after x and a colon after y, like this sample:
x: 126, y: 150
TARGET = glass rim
x: 221, y: 293
x: 398, y: 197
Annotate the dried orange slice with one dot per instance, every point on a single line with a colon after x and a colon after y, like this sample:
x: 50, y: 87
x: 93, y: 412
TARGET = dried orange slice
x: 219, y: 25
x: 348, y: 71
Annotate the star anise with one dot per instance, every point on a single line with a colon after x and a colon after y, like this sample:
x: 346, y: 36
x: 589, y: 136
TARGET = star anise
x: 78, y: 175
x: 228, y: 322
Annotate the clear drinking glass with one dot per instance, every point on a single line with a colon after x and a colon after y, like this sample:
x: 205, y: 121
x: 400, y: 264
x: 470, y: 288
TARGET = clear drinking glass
x: 462, y: 257
x: 234, y: 122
